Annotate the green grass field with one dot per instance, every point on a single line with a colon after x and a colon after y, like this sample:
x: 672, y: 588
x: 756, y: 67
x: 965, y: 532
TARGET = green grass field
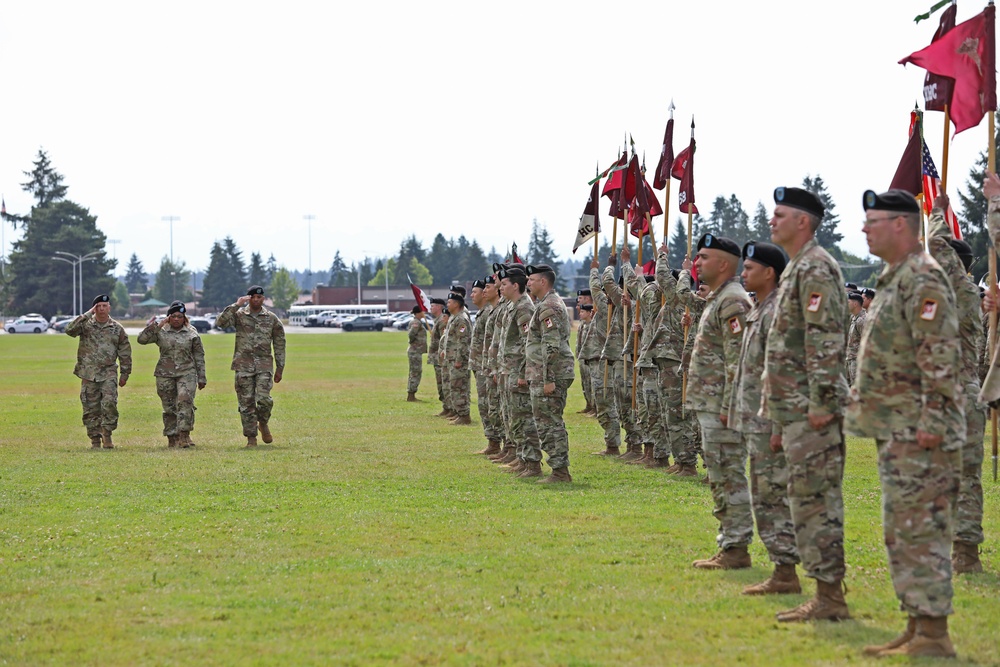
x: 370, y: 533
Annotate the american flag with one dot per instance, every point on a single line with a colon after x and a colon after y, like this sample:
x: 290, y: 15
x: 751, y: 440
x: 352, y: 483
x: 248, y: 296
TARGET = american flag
x: 932, y: 188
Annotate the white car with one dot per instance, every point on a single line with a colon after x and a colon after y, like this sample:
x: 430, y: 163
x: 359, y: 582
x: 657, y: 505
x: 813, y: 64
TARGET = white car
x: 26, y: 324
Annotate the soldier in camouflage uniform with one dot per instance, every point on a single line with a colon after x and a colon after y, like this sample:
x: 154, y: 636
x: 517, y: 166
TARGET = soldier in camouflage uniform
x: 179, y: 371
x: 103, y: 348
x: 479, y: 360
x: 762, y: 267
x: 549, y: 369
x: 440, y: 316
x: 804, y: 391
x: 258, y: 331
x: 605, y: 393
x: 455, y: 347
x: 619, y: 351
x: 499, y: 412
x: 908, y: 397
x: 417, y: 339
x: 714, y: 360
x: 682, y: 425
x: 854, y: 331
x: 524, y: 436
x: 583, y: 298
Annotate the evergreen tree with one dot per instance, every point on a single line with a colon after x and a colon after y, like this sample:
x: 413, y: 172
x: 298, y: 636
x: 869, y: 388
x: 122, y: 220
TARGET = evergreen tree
x: 172, y: 282
x: 338, y: 271
x: 472, y: 264
x: 677, y: 250
x: 224, y: 282
x: 257, y: 271
x: 760, y: 228
x: 135, y: 276
x: 120, y: 302
x: 272, y: 268
x: 540, y: 251
x: 55, y: 224
x: 826, y: 236
x: 442, y: 260
x: 235, y: 258
x: 728, y: 219
x: 284, y: 290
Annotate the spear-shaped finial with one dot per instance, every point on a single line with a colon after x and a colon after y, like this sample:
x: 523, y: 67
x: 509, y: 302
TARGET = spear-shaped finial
x: 692, y: 125
x: 643, y: 163
x: 597, y: 169
x: 672, y: 107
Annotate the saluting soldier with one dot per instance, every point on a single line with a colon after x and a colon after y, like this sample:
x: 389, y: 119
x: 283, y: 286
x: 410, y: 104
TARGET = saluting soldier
x: 714, y: 360
x: 908, y: 397
x: 417, y: 337
x: 618, y: 352
x: 258, y: 331
x: 179, y: 371
x: 804, y: 393
x: 103, y: 351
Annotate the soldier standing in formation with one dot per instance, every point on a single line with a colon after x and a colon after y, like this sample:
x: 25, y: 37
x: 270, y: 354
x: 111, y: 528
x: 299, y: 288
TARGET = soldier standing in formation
x: 433, y: 358
x: 583, y: 298
x: 602, y: 370
x: 854, y: 331
x: 179, y: 371
x: 417, y: 338
x: 455, y: 345
x: 258, y: 331
x: 102, y: 351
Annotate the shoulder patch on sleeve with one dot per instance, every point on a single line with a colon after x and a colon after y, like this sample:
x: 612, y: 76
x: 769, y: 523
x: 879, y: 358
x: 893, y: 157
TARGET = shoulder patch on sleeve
x: 549, y: 323
x: 815, y: 302
x: 928, y: 310
x: 734, y: 325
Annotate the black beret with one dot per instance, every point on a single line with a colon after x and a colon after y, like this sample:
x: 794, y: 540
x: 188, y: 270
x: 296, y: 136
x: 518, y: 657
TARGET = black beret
x: 512, y: 272
x: 537, y: 268
x: 255, y: 289
x: 515, y: 265
x: 586, y: 306
x: 868, y: 292
x: 440, y: 302
x: 800, y: 199
x: 457, y: 297
x: 458, y: 289
x: 490, y: 280
x: 964, y: 251
x: 851, y: 286
x: 583, y: 292
x: 176, y: 307
x: 719, y: 243
x: 101, y: 298
x: 899, y: 201
x: 497, y: 266
x: 856, y: 296
x: 767, y: 254
x: 415, y: 310
x: 478, y: 283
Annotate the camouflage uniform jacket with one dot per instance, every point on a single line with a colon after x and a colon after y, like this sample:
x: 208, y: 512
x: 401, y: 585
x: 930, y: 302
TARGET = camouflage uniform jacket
x: 100, y: 346
x: 717, y: 349
x: 417, y: 336
x: 689, y: 300
x: 435, y: 346
x: 501, y: 319
x: 908, y: 367
x: 547, y: 353
x: 805, y: 365
x: 515, y: 335
x: 597, y: 330
x: 665, y: 342
x: 967, y: 301
x: 991, y: 380
x: 648, y: 303
x: 457, y: 340
x: 614, y: 340
x: 854, y: 335
x: 256, y: 333
x: 477, y: 357
x: 181, y: 351
x: 581, y: 336
x: 746, y: 385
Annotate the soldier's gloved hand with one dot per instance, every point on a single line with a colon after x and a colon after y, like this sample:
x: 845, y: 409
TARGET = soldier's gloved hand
x: 122, y: 380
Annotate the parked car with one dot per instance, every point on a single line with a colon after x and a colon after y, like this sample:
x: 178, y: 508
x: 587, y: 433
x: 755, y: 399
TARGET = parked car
x: 403, y: 323
x: 60, y: 325
x: 320, y: 319
x: 363, y: 323
x: 338, y: 320
x: 201, y: 324
x: 26, y: 324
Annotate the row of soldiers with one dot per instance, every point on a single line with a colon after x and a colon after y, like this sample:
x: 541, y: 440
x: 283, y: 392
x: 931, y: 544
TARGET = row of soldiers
x: 713, y: 371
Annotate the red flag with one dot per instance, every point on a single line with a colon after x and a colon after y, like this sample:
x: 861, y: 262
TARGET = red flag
x: 617, y: 177
x: 422, y: 301
x: 513, y: 254
x: 649, y: 268
x: 666, y: 162
x: 685, y: 197
x: 967, y: 54
x: 938, y: 89
x: 907, y: 176
x: 590, y: 221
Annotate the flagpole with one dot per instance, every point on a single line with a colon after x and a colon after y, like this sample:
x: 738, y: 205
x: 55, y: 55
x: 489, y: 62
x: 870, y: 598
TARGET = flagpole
x: 687, y: 308
x: 991, y: 163
x: 944, y: 150
x: 635, y: 334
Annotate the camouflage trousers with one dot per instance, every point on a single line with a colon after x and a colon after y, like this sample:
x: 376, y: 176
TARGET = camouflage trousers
x: 100, y: 405
x: 503, y: 388
x: 444, y: 371
x: 416, y: 371
x: 177, y: 397
x: 605, y: 401
x: 769, y: 499
x: 628, y: 414
x: 549, y: 425
x: 522, y: 424
x: 852, y: 371
x: 458, y: 390
x: 253, y: 391
x: 496, y: 406
x: 586, y: 383
x: 483, y: 399
x: 439, y: 379
x: 919, y: 487
x: 969, y: 506
x: 683, y: 434
x: 815, y: 461
x: 726, y: 460
x: 652, y: 417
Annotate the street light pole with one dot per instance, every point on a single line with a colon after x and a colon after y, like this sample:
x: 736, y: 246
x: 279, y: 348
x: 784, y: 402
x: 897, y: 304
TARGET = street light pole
x: 80, y: 259
x: 72, y: 264
x: 171, y: 219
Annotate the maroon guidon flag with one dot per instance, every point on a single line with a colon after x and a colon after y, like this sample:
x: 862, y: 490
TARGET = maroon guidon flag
x: 937, y: 89
x: 684, y: 170
x: 590, y: 222
x: 513, y: 254
x: 907, y: 176
x: 423, y: 303
x: 967, y: 54
x: 666, y: 163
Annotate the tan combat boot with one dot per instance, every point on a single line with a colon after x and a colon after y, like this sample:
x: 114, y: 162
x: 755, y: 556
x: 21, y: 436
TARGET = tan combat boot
x: 558, y: 475
x: 461, y: 421
x: 645, y: 453
x: 686, y: 471
x: 877, y: 649
x: 251, y: 441
x: 495, y: 458
x: 828, y: 605
x: 515, y: 466
x: 95, y: 442
x: 492, y: 447
x: 531, y: 469
x: 183, y: 439
x: 411, y: 397
x: 662, y: 462
x: 106, y: 439
x: 171, y: 441
x: 608, y: 451
x: 931, y: 640
x: 265, y: 432
x: 733, y: 558
x: 632, y: 452
x: 965, y: 558
x: 510, y: 456
x: 443, y: 413
x: 784, y: 580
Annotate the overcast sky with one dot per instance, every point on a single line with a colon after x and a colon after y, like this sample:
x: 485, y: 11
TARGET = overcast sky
x: 385, y: 119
